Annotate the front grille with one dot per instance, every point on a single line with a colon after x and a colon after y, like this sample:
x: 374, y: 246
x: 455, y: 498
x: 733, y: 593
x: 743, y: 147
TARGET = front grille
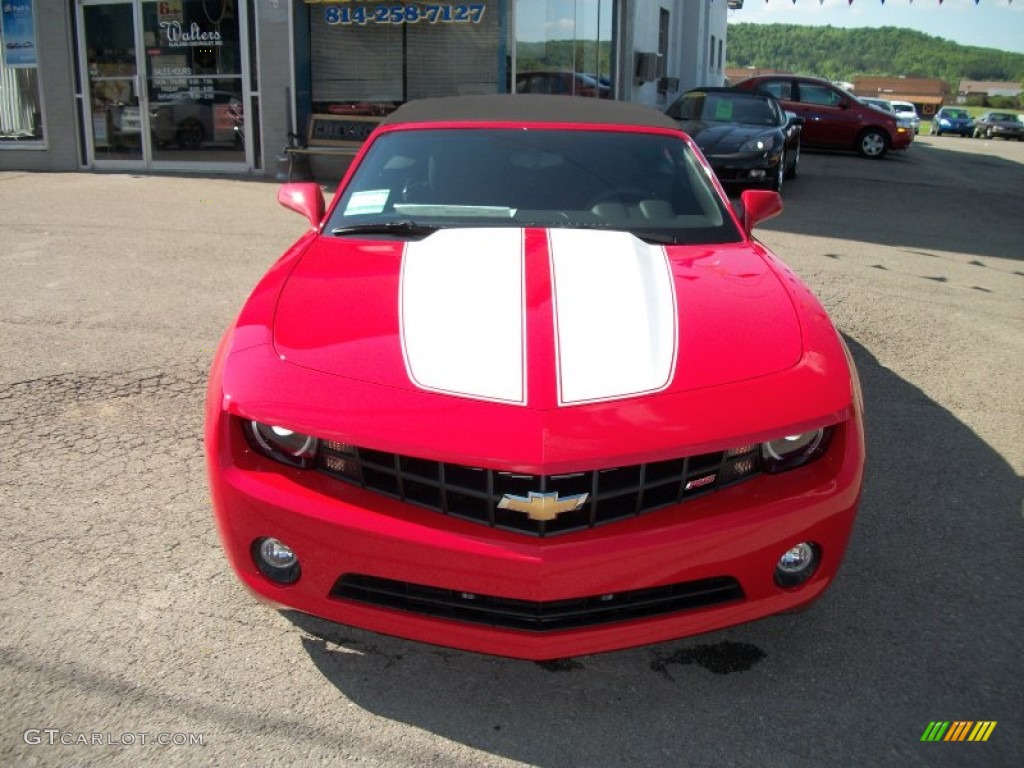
x: 471, y: 493
x: 536, y: 616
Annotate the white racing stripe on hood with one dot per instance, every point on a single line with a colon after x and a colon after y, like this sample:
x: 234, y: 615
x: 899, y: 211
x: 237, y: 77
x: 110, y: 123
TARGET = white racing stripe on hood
x: 615, y: 315
x: 462, y: 313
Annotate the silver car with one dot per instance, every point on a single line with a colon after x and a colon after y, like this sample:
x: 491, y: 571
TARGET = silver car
x: 908, y: 110
x: 902, y: 120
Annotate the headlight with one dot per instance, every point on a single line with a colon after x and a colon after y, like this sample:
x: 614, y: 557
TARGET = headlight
x: 794, y: 450
x: 281, y: 444
x: 763, y: 144
x: 944, y: 121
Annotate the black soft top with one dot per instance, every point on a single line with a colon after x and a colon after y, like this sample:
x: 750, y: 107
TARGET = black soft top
x: 528, y: 108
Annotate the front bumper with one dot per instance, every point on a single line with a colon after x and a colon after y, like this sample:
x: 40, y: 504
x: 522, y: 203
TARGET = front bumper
x: 343, y: 535
x: 745, y: 168
x: 1003, y: 132
x: 961, y: 129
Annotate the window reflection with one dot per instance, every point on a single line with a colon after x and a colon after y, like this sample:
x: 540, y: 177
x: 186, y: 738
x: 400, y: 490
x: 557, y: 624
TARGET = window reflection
x: 194, y: 80
x: 113, y: 93
x: 564, y: 47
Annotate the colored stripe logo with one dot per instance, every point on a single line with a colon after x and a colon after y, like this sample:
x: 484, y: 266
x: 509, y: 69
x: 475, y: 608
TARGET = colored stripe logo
x: 958, y: 730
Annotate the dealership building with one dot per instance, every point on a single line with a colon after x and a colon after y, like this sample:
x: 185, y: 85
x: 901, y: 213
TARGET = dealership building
x: 218, y: 85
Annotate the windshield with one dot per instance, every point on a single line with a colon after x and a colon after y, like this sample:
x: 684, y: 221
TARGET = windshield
x: 412, y: 182
x: 725, y: 108
x: 880, y: 104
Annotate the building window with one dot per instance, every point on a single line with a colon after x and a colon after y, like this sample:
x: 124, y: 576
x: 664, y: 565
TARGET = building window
x: 711, y: 54
x: 20, y: 112
x: 720, y: 55
x: 366, y: 59
x: 564, y: 48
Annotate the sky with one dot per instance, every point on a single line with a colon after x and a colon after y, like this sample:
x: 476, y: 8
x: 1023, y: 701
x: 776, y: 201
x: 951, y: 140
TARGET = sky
x: 989, y: 23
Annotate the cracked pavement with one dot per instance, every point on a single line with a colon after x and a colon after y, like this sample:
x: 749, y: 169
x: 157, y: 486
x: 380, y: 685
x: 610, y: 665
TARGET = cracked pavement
x: 122, y: 617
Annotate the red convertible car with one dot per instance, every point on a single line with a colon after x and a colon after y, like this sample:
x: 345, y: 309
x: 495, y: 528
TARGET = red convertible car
x: 529, y: 387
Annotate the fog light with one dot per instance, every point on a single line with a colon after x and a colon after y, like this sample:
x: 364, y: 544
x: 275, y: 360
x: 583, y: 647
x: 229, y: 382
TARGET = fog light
x: 276, y: 560
x: 796, y: 565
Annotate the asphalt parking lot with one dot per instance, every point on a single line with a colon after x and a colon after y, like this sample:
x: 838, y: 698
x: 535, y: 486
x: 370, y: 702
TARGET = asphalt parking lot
x: 128, y: 641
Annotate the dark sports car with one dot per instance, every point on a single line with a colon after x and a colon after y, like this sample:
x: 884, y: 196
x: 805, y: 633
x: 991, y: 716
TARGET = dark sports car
x: 747, y: 137
x: 999, y: 125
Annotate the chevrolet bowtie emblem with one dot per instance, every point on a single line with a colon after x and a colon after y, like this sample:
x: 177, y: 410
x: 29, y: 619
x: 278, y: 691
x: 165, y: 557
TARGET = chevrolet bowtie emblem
x: 542, y: 506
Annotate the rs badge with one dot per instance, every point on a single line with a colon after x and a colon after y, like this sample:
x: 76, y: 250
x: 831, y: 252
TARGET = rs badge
x: 542, y: 507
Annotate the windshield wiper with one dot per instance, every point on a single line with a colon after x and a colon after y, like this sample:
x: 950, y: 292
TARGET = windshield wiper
x: 400, y: 228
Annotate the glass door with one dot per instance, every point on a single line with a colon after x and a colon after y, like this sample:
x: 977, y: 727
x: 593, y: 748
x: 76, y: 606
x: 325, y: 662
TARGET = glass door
x: 114, y: 112
x: 194, y: 82
x: 165, y: 83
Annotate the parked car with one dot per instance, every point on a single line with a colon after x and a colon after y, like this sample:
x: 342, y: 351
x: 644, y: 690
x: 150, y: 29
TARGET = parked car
x: 190, y: 121
x: 952, y: 120
x: 999, y: 125
x: 529, y: 387
x: 561, y: 83
x: 908, y: 110
x: 833, y: 118
x: 747, y: 137
x: 886, y: 106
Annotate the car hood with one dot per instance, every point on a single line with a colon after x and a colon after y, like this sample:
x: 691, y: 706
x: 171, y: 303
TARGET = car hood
x: 537, y: 318
x: 722, y: 138
x: 536, y: 351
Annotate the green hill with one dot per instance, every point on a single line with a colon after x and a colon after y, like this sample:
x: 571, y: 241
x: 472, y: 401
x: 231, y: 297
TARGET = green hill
x: 842, y: 54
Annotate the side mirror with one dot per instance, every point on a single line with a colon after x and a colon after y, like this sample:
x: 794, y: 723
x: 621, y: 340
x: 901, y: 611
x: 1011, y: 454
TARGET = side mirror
x: 759, y: 205
x: 795, y: 119
x: 305, y: 198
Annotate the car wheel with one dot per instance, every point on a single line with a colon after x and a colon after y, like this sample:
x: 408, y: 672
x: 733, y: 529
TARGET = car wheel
x: 189, y: 135
x: 794, y: 166
x: 873, y: 144
x: 988, y: 134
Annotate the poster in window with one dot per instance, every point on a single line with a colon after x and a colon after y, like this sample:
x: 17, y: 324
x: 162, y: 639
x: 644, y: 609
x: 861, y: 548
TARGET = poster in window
x: 19, y: 36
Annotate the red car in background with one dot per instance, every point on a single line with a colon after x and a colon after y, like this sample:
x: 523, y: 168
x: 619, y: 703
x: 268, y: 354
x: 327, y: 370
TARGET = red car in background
x: 529, y: 387
x: 833, y: 118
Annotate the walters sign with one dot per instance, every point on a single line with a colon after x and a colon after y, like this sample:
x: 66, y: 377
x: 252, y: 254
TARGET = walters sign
x: 180, y: 36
